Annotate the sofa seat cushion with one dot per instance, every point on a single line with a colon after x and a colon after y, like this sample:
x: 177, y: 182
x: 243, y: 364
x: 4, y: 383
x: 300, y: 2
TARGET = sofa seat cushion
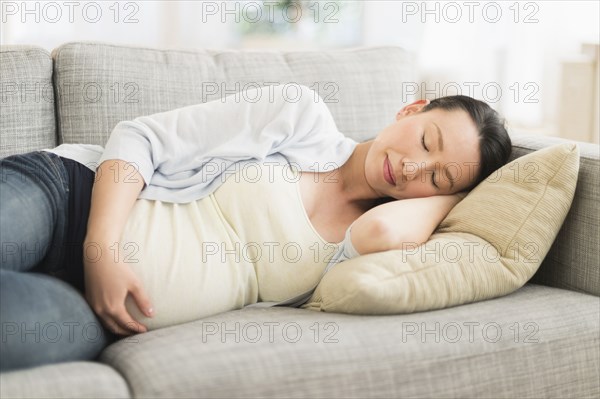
x: 535, y: 342
x: 64, y: 380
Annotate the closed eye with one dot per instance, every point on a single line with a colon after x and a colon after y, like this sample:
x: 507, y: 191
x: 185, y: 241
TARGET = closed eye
x: 432, y: 174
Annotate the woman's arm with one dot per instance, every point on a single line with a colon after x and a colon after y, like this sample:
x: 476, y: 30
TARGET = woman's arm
x: 108, y: 281
x: 193, y: 144
x: 116, y: 187
x: 395, y: 224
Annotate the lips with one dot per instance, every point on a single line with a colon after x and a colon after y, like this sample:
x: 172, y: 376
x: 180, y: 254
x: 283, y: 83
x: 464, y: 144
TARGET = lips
x: 388, y: 172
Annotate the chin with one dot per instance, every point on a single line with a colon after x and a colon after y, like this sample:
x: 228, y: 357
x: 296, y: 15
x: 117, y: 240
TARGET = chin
x: 383, y: 200
x: 394, y: 196
x: 410, y: 196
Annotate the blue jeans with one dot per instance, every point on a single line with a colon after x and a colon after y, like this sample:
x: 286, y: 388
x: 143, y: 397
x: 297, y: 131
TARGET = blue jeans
x: 43, y: 318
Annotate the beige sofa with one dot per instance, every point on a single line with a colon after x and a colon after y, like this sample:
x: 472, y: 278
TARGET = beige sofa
x: 540, y: 341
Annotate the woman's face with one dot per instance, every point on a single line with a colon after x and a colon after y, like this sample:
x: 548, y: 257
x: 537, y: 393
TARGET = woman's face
x: 424, y: 154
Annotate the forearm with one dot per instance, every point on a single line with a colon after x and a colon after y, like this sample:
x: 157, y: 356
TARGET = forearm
x: 396, y: 224
x: 115, y: 190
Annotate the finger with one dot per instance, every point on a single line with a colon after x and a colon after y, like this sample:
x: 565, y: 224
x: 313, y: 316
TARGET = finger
x: 115, y: 328
x: 142, y: 300
x: 124, y: 328
x: 126, y: 321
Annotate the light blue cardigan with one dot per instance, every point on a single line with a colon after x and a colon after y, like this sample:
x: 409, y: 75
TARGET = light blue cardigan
x: 183, y: 155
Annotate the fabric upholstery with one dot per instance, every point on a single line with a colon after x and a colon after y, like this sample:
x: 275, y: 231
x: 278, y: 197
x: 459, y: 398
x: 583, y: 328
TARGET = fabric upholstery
x: 536, y: 342
x: 26, y: 100
x: 64, y: 380
x: 573, y: 262
x: 102, y: 84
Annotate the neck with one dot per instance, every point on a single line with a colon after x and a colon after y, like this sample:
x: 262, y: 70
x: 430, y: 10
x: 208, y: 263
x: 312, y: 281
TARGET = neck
x: 354, y: 187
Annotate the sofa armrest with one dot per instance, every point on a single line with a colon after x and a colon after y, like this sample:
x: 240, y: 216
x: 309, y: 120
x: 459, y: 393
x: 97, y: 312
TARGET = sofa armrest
x: 573, y: 260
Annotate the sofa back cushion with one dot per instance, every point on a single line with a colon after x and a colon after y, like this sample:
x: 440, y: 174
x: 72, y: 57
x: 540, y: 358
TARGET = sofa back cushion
x: 574, y: 258
x: 102, y: 84
x: 27, y: 100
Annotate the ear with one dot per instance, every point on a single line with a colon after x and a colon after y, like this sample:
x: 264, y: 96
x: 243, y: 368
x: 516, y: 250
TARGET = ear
x: 411, y: 108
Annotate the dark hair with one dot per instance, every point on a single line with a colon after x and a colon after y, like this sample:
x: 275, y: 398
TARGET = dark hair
x: 494, y: 143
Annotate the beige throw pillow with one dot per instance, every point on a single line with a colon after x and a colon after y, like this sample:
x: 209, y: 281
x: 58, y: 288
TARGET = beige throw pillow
x: 489, y: 245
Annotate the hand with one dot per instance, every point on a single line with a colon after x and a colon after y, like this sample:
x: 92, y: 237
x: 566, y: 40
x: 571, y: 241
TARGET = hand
x: 107, y: 284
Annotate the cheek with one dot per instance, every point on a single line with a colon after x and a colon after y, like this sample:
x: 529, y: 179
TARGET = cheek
x: 392, y: 135
x: 419, y: 189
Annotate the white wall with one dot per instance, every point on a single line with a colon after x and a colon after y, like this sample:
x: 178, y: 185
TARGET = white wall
x: 51, y: 23
x: 520, y: 58
x: 507, y: 54
x: 182, y: 24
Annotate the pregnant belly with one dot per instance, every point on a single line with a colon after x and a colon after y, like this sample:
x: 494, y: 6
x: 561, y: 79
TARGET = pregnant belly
x: 187, y: 259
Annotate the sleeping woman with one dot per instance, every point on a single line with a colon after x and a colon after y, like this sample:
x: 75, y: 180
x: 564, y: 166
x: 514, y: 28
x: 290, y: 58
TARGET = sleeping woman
x: 240, y: 202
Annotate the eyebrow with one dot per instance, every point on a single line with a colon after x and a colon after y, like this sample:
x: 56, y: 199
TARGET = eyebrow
x: 441, y: 147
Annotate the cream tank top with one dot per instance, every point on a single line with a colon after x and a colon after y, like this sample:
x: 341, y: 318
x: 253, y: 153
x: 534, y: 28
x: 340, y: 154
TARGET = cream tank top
x: 249, y: 241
